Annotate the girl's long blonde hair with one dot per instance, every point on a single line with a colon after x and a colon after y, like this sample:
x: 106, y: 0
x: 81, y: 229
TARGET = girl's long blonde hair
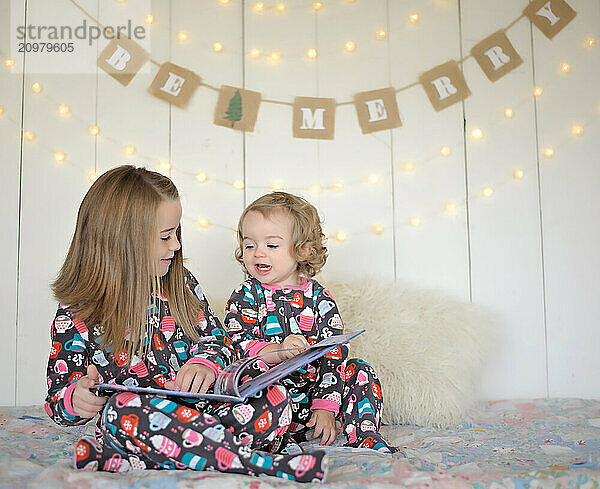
x: 109, y: 275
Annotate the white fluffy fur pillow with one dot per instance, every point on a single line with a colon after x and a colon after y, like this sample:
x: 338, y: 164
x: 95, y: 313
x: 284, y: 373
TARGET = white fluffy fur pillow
x: 426, y: 348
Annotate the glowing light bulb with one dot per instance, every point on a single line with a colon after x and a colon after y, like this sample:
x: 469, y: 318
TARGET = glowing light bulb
x: 451, y: 208
x: 129, y: 150
x: 518, y: 174
x: 487, y: 191
x: 259, y: 7
x: 238, y: 184
x: 408, y: 167
x: 565, y: 67
x: 548, y: 152
x: 255, y: 53
x: 275, y: 56
x: 201, y: 177
x: 63, y: 109
x: 415, y: 221
x: 590, y: 42
x: 537, y: 91
x: 36, y: 87
x: 28, y: 136
x: 476, y: 133
x: 316, y: 6
x: 315, y: 188
x: 217, y: 47
x: 277, y: 185
x: 280, y: 7
x: 380, y: 35
x: 202, y: 222
x: 445, y: 151
x: 59, y: 156
x: 349, y: 46
x: 339, y: 186
x: 1, y: 110
x: 508, y: 113
x: 94, y: 130
x: 9, y: 62
x: 378, y: 228
x: 92, y: 176
x: 311, y: 53
x: 149, y: 19
x: 182, y: 36
x: 577, y: 130
x: 341, y: 236
x: 165, y: 166
x: 373, y: 179
x: 413, y: 18
x: 224, y: 2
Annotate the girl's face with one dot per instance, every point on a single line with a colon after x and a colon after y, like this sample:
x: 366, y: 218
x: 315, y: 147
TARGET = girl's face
x: 169, y: 216
x: 266, y: 248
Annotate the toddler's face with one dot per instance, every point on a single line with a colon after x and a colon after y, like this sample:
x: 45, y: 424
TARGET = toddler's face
x: 266, y: 248
x: 169, y: 216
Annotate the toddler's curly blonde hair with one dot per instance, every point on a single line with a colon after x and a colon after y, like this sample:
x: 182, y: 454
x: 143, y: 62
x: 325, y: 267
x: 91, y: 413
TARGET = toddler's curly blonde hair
x: 308, y: 241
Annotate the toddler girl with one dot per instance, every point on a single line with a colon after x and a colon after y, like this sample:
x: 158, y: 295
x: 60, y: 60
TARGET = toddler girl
x: 281, y: 309
x: 130, y: 313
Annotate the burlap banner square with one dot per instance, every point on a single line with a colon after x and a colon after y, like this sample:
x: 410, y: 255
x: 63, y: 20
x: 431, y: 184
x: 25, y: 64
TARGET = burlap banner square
x: 377, y: 110
x: 445, y: 85
x: 314, y: 118
x: 122, y: 58
x: 550, y: 16
x: 237, y: 108
x: 496, y: 56
x: 174, y: 84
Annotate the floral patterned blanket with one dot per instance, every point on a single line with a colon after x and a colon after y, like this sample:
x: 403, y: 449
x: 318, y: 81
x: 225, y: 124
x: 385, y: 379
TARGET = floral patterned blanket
x: 541, y: 443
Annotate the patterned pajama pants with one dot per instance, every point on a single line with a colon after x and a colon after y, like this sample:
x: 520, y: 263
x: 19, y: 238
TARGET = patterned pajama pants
x: 360, y: 412
x: 144, y: 431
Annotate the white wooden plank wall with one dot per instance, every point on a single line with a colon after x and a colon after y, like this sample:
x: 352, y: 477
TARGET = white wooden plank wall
x: 529, y: 253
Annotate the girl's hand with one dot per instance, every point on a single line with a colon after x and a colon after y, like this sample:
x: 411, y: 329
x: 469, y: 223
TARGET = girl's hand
x: 85, y: 403
x: 296, y: 341
x: 192, y: 377
x: 324, y: 423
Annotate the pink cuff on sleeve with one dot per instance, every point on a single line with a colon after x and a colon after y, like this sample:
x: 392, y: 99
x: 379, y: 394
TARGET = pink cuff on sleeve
x: 255, y: 349
x: 68, y: 399
x: 325, y: 404
x: 205, y: 362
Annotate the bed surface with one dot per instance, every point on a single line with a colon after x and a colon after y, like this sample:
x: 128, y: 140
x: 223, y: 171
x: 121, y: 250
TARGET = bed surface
x: 547, y: 443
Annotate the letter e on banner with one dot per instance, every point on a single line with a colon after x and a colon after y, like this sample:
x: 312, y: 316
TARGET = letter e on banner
x: 174, y: 84
x: 496, y: 56
x: 444, y: 85
x: 550, y: 16
x: 377, y: 110
x: 122, y: 58
x: 237, y: 108
x: 314, y: 118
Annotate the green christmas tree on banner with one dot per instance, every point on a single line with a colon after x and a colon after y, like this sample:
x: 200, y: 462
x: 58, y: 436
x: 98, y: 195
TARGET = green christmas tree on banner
x: 234, y: 110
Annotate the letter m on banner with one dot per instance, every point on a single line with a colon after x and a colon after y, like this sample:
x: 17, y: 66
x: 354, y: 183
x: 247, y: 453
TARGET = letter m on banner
x: 314, y: 118
x: 122, y: 58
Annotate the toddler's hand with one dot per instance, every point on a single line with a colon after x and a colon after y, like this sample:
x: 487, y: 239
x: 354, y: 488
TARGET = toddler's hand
x: 85, y: 403
x: 192, y: 377
x: 295, y: 341
x: 324, y: 423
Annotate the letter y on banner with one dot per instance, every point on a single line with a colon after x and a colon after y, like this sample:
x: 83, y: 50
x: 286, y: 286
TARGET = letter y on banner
x: 445, y: 85
x: 314, y: 118
x: 550, y: 16
x: 122, y: 58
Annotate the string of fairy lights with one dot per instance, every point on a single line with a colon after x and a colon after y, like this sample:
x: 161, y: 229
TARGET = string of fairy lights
x: 372, y: 179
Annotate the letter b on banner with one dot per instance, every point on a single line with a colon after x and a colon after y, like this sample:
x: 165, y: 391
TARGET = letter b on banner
x: 122, y: 58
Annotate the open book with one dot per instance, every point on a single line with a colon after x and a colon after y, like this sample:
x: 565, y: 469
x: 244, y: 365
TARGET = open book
x: 229, y: 386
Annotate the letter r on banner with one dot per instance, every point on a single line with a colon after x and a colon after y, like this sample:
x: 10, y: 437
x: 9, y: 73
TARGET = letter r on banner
x: 550, y: 16
x: 122, y: 59
x: 496, y: 55
x: 314, y: 118
x: 444, y: 85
